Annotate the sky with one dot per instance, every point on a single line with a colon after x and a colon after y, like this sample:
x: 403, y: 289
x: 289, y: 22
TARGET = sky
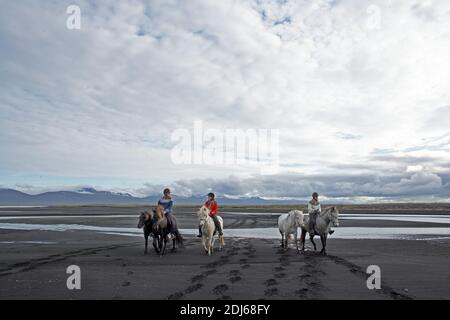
x: 358, y: 91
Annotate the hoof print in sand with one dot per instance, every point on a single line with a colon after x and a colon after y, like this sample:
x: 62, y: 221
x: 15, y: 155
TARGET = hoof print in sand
x: 280, y: 275
x: 270, y: 282
x: 220, y: 289
x: 175, y: 296
x: 194, y: 288
x: 235, y: 279
x: 235, y: 273
x: 302, y: 292
x: 198, y: 278
x: 271, y: 292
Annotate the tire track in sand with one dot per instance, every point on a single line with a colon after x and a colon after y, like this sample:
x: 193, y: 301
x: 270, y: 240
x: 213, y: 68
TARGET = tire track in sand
x: 35, y: 263
x: 360, y: 272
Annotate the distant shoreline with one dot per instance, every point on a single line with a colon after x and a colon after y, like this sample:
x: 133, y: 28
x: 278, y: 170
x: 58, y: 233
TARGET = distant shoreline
x: 391, y: 208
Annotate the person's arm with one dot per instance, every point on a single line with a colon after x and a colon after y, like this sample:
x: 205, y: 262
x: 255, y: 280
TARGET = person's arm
x: 169, y: 207
x: 310, y: 209
x: 319, y: 208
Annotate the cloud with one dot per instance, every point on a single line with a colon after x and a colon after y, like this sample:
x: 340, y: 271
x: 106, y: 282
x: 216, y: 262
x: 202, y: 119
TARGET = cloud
x: 411, y: 185
x: 103, y: 101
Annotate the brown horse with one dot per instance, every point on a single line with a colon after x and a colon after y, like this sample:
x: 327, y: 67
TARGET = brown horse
x: 161, y: 230
x: 146, y: 222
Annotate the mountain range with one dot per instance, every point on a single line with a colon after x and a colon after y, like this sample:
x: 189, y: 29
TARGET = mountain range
x: 91, y: 196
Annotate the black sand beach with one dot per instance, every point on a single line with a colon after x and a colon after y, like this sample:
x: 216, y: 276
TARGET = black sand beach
x: 33, y: 262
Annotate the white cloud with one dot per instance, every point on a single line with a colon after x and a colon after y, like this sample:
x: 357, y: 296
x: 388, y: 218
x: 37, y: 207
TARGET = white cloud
x: 104, y: 100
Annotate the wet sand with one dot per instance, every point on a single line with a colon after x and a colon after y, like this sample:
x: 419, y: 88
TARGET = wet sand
x: 33, y: 263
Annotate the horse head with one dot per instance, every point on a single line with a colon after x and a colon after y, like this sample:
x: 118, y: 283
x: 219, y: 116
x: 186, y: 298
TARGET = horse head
x: 298, y: 218
x: 334, y: 216
x: 144, y: 217
x: 202, y: 214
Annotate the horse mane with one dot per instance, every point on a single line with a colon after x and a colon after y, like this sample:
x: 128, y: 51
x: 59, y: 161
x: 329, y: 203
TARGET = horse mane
x: 203, y: 212
x: 148, y: 216
x: 333, y: 211
x: 291, y: 214
x: 159, y: 212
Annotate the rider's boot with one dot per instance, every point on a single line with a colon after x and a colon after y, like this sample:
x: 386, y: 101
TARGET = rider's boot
x: 199, y: 232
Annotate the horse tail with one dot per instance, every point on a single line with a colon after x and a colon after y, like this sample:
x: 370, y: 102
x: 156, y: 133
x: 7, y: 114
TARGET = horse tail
x: 179, y: 238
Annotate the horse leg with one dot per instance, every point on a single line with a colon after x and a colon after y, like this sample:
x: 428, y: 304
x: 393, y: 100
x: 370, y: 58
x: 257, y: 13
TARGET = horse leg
x: 213, y: 239
x: 221, y: 242
x: 155, y: 243
x: 282, y: 239
x: 222, y: 239
x: 302, y: 238
x: 296, y: 241
x: 174, y: 247
x: 311, y: 238
x: 324, y: 244
x: 208, y: 246
x: 146, y: 243
x: 160, y: 244
x: 164, y: 243
x: 321, y: 240
x: 210, y: 243
x: 204, y: 241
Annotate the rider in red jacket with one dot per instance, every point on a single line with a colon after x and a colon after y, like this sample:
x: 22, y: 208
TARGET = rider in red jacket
x: 213, y: 206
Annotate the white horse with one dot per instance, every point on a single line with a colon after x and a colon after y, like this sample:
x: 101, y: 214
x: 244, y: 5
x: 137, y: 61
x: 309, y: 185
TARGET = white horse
x: 209, y: 230
x: 288, y: 224
x: 325, y: 220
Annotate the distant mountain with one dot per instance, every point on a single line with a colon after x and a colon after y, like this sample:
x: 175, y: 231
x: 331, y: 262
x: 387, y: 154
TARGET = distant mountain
x: 90, y: 196
x: 84, y: 196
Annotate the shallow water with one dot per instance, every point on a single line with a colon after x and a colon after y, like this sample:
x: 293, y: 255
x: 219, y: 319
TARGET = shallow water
x: 28, y: 242
x: 68, y: 216
x: 445, y: 219
x: 266, y: 233
x: 23, y: 207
